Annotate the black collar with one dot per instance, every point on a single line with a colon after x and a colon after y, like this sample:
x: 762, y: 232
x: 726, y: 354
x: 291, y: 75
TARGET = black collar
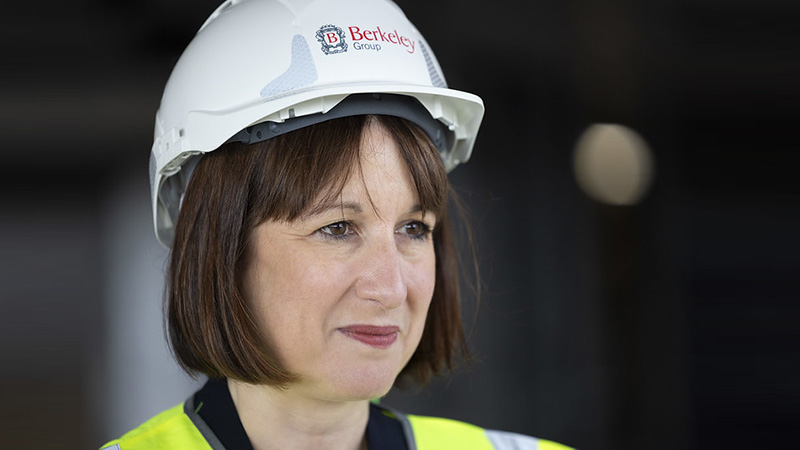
x: 214, y: 405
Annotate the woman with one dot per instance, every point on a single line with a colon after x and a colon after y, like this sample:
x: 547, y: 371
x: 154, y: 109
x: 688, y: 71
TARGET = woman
x: 299, y: 178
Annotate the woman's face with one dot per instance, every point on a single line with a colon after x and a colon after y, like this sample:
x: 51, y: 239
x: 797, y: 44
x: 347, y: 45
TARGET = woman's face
x: 342, y: 293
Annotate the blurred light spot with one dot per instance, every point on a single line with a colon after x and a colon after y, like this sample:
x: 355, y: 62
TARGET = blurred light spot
x: 613, y: 164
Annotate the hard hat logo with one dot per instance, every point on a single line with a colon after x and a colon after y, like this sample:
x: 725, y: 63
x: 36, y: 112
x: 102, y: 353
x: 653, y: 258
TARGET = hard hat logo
x: 378, y: 35
x: 332, y: 39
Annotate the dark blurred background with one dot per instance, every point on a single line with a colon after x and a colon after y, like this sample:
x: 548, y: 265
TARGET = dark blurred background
x: 661, y: 317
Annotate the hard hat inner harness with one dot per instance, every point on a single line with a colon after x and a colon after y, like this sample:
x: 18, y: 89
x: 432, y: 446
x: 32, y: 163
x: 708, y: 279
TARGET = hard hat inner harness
x: 401, y: 106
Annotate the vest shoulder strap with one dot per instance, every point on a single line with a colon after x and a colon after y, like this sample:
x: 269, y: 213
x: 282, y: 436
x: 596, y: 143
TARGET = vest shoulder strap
x: 170, y: 429
x: 434, y: 433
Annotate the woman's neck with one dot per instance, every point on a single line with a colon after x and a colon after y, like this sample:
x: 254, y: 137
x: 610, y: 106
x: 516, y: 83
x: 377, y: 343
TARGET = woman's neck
x: 282, y: 419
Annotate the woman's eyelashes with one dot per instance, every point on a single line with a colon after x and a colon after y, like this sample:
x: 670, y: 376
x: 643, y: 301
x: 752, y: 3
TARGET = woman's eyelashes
x: 345, y: 229
x: 416, y: 229
x: 337, y: 230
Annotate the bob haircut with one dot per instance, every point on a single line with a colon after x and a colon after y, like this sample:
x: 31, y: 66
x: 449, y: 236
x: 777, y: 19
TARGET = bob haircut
x: 236, y: 188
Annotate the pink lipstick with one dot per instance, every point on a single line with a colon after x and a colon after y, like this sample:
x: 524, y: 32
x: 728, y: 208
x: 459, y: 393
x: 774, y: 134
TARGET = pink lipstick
x: 375, y: 336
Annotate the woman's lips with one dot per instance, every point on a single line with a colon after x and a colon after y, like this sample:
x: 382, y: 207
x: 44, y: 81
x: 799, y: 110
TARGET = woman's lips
x: 375, y: 336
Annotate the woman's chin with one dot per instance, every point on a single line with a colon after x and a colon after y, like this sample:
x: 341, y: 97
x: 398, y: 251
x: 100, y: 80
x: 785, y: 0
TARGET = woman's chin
x: 363, y: 385
x: 368, y: 390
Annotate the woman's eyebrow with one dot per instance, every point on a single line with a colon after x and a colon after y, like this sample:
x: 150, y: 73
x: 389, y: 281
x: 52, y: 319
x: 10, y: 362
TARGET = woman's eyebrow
x: 417, y: 208
x: 324, y: 207
x: 355, y: 208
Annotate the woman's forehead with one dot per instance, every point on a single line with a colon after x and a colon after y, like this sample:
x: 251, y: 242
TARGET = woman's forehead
x: 349, y: 160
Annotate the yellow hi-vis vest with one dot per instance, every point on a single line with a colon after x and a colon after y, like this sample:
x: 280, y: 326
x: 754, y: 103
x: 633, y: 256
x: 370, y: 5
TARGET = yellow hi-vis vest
x: 175, y: 429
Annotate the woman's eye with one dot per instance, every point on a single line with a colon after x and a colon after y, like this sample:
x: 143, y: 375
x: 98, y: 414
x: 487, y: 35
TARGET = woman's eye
x: 417, y: 230
x: 336, y: 230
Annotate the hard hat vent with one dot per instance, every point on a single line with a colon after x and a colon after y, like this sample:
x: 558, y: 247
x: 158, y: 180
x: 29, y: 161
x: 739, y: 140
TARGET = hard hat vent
x: 152, y: 171
x: 301, y: 72
x: 433, y: 71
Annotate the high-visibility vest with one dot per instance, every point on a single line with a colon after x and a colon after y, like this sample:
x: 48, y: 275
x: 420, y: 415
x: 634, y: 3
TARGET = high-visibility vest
x: 175, y: 429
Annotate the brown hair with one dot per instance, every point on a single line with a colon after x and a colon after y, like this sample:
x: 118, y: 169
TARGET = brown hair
x: 236, y: 188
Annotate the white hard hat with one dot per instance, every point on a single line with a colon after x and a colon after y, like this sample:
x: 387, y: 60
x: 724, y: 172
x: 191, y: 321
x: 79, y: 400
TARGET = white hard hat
x: 286, y: 64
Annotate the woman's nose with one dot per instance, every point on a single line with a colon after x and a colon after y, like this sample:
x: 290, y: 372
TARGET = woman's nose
x: 382, y: 277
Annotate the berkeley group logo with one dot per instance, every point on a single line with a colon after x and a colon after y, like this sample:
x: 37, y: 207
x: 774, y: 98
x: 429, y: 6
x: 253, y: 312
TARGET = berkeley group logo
x: 332, y: 39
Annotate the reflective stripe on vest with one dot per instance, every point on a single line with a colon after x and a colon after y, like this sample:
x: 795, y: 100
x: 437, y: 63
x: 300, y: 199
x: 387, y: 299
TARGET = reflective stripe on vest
x: 503, y: 440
